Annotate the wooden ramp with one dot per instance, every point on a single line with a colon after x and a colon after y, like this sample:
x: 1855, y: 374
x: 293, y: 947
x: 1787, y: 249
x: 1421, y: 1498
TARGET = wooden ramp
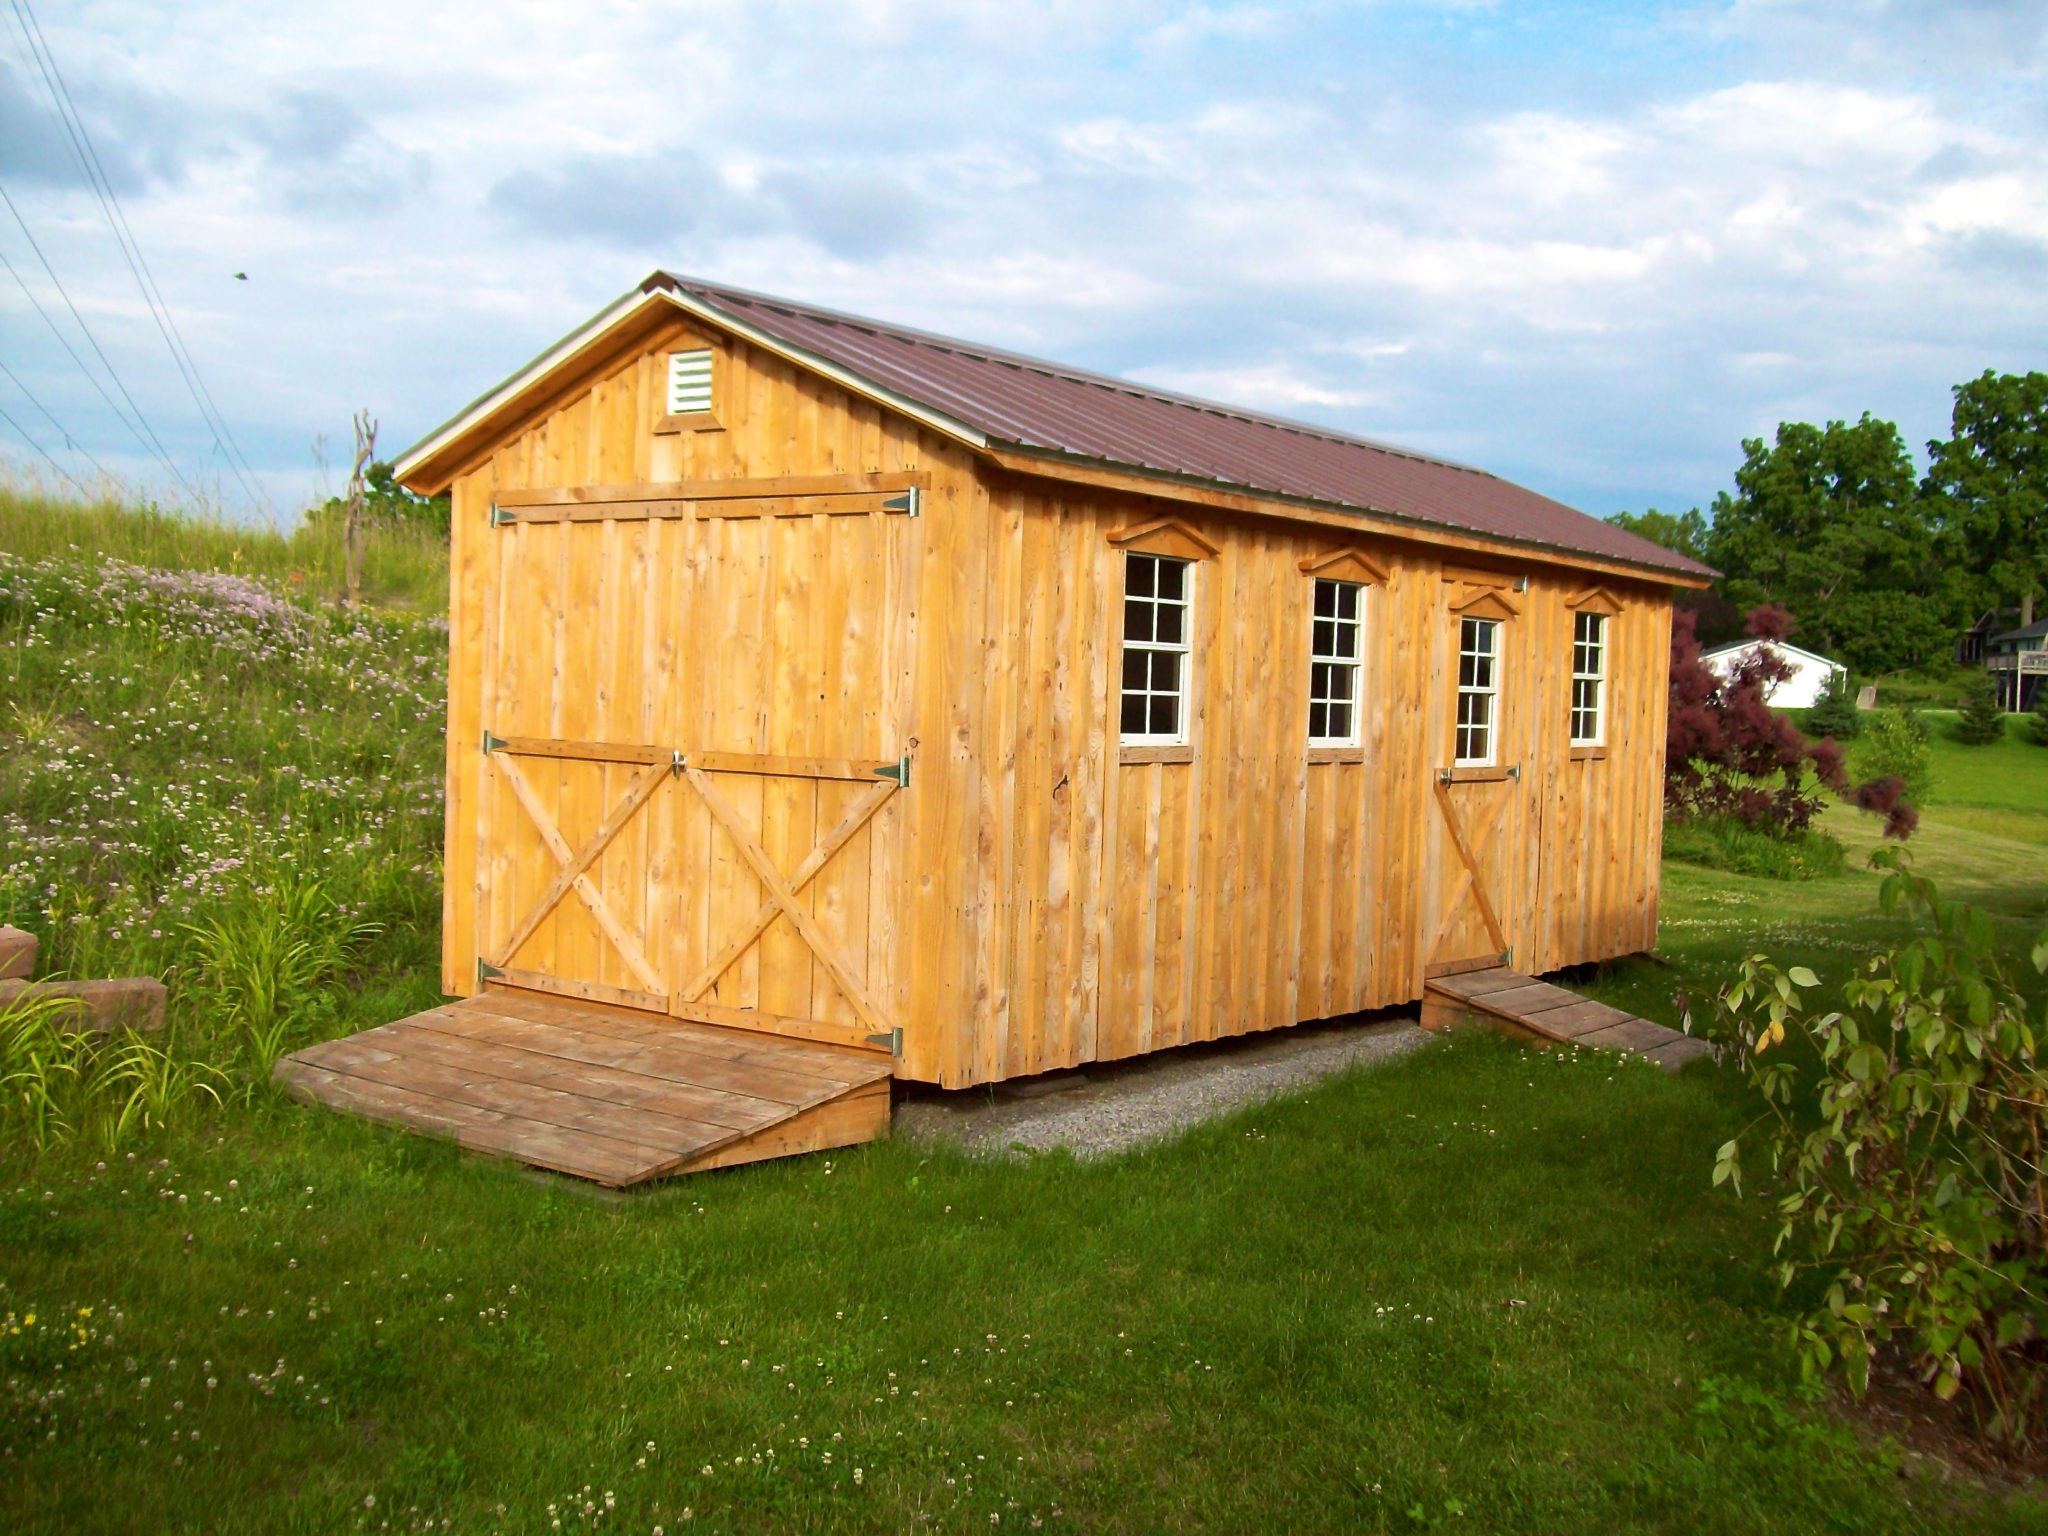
x: 1496, y: 994
x: 603, y: 1093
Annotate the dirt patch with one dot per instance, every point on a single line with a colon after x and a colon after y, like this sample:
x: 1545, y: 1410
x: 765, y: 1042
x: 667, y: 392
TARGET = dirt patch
x: 1940, y: 1438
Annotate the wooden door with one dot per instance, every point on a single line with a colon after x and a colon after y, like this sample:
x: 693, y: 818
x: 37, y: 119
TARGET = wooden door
x: 696, y: 712
x: 1478, y: 796
x: 1479, y: 816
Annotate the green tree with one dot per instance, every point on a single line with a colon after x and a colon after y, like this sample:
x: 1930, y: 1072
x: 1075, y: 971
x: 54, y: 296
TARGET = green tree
x: 1988, y: 487
x: 1982, y: 721
x: 1834, y: 712
x: 1828, y: 521
x: 1684, y: 532
x: 386, y: 501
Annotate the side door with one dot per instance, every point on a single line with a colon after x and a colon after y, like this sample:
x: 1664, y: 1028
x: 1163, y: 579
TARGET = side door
x: 1477, y: 787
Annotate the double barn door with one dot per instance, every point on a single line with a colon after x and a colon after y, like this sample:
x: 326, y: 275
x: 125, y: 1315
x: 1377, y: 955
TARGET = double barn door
x: 694, y: 704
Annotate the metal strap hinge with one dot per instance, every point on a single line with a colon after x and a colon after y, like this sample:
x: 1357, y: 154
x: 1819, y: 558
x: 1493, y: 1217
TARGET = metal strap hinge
x: 893, y: 1040
x: 909, y: 502
x: 492, y: 743
x: 899, y: 771
x: 485, y: 971
x: 500, y: 517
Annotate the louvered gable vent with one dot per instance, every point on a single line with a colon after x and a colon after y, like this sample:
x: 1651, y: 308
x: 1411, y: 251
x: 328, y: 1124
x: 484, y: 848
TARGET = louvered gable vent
x: 689, y: 383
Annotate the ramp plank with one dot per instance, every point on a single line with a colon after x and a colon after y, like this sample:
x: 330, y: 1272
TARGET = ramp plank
x: 601, y: 1093
x: 1554, y: 1013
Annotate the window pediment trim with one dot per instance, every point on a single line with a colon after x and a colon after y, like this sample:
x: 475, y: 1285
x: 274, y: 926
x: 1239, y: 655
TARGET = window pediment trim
x: 1594, y: 600
x: 1167, y: 536
x: 1483, y: 603
x: 1345, y: 564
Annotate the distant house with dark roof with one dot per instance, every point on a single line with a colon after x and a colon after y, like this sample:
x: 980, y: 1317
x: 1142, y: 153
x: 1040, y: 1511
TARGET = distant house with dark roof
x: 2017, y: 660
x: 821, y: 677
x: 1971, y: 643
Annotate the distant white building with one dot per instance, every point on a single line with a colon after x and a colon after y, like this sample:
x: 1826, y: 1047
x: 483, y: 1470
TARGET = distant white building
x: 1801, y: 690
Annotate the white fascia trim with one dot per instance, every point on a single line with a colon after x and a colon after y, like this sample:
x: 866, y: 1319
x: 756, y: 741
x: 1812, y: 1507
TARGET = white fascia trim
x: 939, y: 421
x: 623, y: 309
x: 561, y: 352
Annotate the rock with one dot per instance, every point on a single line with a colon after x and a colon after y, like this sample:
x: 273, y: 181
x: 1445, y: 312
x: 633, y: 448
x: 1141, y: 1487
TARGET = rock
x: 17, y: 953
x: 99, y: 1007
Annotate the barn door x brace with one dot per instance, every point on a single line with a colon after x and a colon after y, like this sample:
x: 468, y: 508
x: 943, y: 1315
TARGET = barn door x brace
x: 655, y: 765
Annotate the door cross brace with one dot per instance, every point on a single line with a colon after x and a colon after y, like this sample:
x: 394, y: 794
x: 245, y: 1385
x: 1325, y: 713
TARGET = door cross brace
x: 1469, y: 851
x: 575, y: 866
x: 782, y: 892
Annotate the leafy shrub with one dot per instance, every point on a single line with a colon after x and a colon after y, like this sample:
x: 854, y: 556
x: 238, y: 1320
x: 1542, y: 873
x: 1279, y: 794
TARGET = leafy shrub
x: 1834, y: 715
x: 1721, y: 842
x: 1728, y: 754
x: 2037, y: 722
x: 1895, y: 747
x: 1981, y: 722
x: 1906, y: 1141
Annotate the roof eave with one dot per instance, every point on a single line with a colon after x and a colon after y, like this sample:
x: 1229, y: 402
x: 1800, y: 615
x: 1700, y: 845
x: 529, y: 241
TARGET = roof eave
x: 1563, y: 553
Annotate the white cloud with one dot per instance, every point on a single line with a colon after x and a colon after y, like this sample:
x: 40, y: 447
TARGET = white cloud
x: 1303, y: 209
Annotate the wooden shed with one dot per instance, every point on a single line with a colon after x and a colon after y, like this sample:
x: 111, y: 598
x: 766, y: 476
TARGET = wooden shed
x: 816, y: 680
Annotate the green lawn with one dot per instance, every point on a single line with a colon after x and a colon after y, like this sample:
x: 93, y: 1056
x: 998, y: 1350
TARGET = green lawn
x: 1480, y: 1289
x: 2001, y: 788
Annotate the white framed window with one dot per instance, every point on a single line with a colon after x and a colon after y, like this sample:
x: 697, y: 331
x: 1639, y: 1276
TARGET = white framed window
x: 1478, y: 692
x: 1589, y: 679
x: 1334, y: 651
x: 1156, y: 657
x: 689, y: 382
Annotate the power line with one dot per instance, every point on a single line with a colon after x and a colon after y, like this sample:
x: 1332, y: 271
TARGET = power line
x: 139, y: 425
x: 131, y: 249
x: 70, y: 441
x: 39, y: 448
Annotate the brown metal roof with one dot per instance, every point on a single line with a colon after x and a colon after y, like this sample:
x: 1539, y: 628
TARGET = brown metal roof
x: 1041, y: 407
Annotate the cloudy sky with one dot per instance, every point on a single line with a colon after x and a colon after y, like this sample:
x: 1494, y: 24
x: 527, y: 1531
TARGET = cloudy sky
x: 1589, y: 246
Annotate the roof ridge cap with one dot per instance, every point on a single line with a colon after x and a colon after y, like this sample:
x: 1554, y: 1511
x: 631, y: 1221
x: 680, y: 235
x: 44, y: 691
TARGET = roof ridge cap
x: 1024, y: 361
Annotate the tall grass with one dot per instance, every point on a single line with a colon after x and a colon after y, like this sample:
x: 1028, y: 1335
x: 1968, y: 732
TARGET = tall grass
x: 58, y: 1079
x: 211, y: 776
x: 263, y: 969
x: 404, y: 566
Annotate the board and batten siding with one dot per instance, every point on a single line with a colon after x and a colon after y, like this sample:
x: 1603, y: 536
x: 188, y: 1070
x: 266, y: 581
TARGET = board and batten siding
x: 1028, y: 902
x: 1136, y: 906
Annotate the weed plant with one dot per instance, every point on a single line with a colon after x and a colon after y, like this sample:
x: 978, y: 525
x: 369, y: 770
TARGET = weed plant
x: 58, y: 1079
x: 1894, y: 745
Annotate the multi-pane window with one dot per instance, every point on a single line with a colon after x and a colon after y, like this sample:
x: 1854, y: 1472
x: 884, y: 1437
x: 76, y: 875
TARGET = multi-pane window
x: 1589, y: 679
x: 1155, y: 681
x: 1478, y: 691
x: 1333, y: 664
